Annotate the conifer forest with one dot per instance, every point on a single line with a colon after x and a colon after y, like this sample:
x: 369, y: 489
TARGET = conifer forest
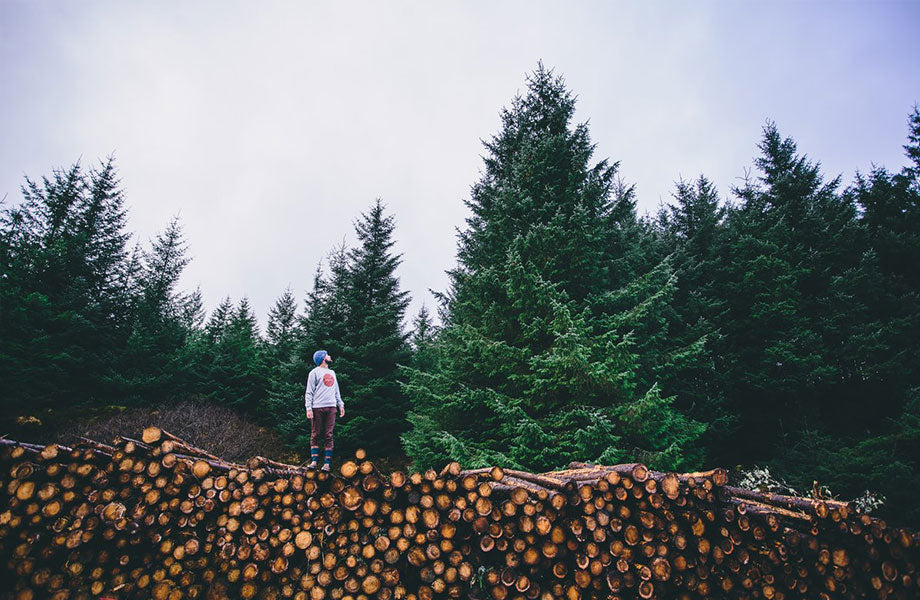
x: 771, y: 328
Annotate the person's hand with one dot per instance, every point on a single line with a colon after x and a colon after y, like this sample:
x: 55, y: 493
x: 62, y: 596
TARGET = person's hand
x: 310, y: 414
x: 341, y: 411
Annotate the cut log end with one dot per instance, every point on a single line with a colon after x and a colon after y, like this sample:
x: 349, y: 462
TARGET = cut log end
x: 151, y: 435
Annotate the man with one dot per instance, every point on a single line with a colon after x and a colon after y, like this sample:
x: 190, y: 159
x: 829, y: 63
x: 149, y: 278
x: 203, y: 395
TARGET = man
x: 321, y: 400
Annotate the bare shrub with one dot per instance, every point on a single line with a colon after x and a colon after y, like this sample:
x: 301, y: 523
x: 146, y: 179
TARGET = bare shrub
x: 760, y: 479
x: 217, y: 429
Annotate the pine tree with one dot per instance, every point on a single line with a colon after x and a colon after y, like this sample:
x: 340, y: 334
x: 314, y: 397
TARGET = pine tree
x: 103, y: 239
x: 374, y: 341
x: 326, y: 310
x: 282, y: 339
x: 875, y: 312
x: 691, y: 232
x: 150, y: 368
x: 911, y: 173
x: 319, y: 327
x: 65, y: 310
x: 536, y: 363
x: 191, y: 311
x: 200, y: 355
x: 693, y: 226
x: 282, y: 330
x: 794, y: 239
x: 354, y: 311
x: 217, y: 323
x: 240, y: 380
x: 423, y: 340
x: 38, y: 349
x: 538, y: 181
x: 228, y: 358
x: 890, y: 214
x: 576, y: 399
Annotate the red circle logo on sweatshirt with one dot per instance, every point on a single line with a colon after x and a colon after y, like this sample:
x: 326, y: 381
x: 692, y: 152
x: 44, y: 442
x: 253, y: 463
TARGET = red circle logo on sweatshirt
x: 328, y: 380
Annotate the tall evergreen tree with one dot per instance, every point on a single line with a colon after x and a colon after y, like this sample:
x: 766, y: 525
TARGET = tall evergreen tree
x: 536, y: 363
x: 320, y: 326
x: 150, y: 369
x: 39, y: 350
x: 228, y: 359
x: 489, y: 401
x: 423, y: 340
x: 538, y: 180
x: 877, y: 314
x: 103, y: 239
x: 282, y: 338
x: 200, y: 353
x: 191, y: 311
x: 692, y: 232
x: 792, y: 240
x: 693, y: 228
x: 63, y: 304
x: 374, y: 341
x: 355, y: 311
x: 326, y: 310
x: 241, y: 380
x: 282, y: 330
x: 219, y: 320
x: 890, y: 207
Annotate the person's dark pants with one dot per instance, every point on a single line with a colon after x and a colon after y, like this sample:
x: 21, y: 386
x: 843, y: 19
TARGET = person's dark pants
x: 321, y: 433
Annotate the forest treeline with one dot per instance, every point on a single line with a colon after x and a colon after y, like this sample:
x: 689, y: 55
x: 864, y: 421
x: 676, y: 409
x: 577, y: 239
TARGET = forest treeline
x: 775, y: 323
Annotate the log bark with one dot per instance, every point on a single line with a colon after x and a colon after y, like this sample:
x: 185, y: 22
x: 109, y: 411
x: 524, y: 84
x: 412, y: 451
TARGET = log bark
x: 157, y: 517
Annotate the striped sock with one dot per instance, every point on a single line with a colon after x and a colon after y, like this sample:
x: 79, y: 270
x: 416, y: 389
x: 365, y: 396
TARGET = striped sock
x: 328, y: 458
x: 314, y: 453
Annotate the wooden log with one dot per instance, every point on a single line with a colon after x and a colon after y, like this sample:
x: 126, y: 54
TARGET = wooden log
x: 820, y: 508
x: 91, y: 519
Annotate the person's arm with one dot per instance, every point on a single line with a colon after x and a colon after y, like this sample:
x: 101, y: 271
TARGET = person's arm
x: 338, y: 399
x: 308, y: 396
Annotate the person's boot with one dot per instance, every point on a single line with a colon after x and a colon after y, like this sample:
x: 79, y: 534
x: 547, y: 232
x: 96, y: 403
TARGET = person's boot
x: 326, y: 467
x: 314, y: 455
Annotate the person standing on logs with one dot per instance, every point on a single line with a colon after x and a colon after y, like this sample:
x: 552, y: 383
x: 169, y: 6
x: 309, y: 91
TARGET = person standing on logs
x: 322, y: 401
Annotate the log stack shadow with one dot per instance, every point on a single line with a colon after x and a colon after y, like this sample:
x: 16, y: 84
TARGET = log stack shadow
x: 156, y: 517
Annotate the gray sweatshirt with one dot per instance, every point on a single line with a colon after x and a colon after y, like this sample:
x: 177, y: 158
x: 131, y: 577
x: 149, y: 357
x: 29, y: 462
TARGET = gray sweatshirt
x: 322, y: 389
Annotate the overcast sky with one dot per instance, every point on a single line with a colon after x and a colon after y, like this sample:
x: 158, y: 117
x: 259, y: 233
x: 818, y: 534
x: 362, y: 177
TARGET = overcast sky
x: 267, y: 127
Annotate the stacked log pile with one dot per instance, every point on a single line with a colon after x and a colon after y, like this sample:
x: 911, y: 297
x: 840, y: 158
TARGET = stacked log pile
x: 158, y: 518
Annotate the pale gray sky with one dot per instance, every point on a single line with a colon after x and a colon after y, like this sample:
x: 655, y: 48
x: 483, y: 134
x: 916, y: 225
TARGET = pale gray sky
x: 269, y: 126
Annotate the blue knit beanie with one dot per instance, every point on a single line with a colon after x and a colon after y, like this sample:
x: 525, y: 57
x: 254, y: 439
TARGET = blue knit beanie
x: 318, y: 357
